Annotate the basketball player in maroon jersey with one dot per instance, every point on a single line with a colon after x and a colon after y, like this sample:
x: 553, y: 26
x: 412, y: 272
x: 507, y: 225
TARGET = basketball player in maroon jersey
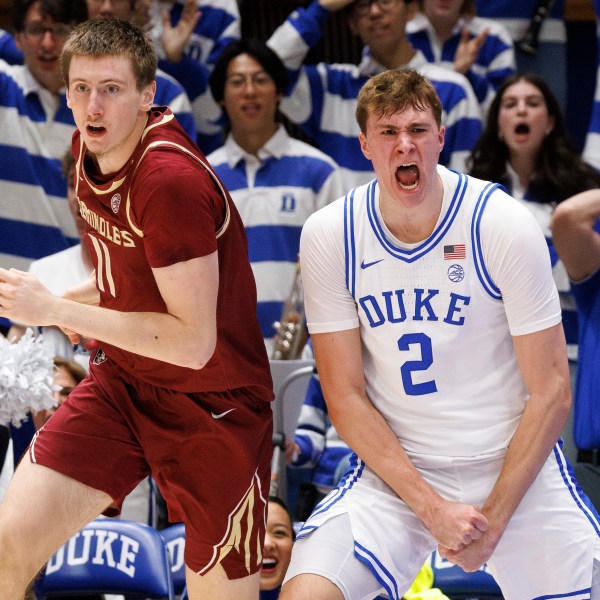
x: 179, y: 383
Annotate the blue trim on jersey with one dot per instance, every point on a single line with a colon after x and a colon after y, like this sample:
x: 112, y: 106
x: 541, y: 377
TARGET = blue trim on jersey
x: 349, y: 240
x: 351, y: 477
x: 355, y: 465
x: 306, y: 529
x: 348, y: 481
x: 582, y: 501
x: 433, y: 240
x: 486, y: 281
x: 584, y: 594
x: 376, y: 567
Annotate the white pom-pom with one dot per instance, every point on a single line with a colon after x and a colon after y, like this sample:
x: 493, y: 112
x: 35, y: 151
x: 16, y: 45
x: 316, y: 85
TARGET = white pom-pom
x: 26, y: 373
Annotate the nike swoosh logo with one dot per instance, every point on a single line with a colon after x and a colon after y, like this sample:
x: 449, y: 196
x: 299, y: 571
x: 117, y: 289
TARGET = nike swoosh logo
x: 365, y: 265
x: 214, y: 416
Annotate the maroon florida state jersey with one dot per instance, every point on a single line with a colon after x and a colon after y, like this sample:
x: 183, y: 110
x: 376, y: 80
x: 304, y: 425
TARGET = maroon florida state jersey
x: 163, y: 207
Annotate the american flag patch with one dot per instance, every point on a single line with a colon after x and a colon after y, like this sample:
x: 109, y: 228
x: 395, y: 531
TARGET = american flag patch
x: 456, y: 251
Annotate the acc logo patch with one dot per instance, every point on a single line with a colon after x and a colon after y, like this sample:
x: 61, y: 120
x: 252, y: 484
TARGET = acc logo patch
x: 456, y: 273
x: 115, y: 202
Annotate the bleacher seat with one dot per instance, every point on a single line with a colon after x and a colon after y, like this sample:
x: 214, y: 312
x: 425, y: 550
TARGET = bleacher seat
x: 174, y: 537
x: 110, y: 556
x: 458, y: 585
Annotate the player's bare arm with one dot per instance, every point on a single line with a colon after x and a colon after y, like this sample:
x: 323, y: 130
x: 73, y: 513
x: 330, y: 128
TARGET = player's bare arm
x: 577, y: 244
x: 542, y: 360
x: 339, y: 361
x: 85, y: 293
x: 185, y: 335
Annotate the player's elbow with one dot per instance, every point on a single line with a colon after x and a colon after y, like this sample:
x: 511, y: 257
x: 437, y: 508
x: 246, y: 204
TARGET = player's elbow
x: 561, y: 404
x: 566, y: 401
x: 197, y: 353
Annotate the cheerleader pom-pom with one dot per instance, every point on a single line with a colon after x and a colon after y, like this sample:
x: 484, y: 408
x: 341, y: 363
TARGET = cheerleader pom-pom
x: 26, y: 373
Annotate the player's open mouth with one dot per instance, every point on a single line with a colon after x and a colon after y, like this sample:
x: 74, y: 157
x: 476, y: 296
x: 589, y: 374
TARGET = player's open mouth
x: 95, y: 129
x: 407, y: 176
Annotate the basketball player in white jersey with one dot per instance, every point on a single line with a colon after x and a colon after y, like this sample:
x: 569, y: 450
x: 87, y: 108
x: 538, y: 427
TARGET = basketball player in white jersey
x: 437, y: 335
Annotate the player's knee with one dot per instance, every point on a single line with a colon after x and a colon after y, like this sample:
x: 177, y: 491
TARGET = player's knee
x: 14, y: 567
x: 8, y: 542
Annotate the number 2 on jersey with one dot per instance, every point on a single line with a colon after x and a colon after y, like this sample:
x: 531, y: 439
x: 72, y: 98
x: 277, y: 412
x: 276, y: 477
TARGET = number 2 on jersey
x: 410, y: 366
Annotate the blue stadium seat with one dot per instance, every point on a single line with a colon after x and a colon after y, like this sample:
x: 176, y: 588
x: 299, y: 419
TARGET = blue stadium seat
x: 110, y: 556
x: 174, y: 537
x: 458, y: 585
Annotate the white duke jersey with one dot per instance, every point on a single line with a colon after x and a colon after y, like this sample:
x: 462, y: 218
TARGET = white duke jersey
x: 435, y: 318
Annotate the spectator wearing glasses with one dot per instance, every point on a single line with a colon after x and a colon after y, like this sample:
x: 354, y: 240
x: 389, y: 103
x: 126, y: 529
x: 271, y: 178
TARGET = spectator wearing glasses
x: 321, y: 98
x: 36, y: 127
x: 276, y: 181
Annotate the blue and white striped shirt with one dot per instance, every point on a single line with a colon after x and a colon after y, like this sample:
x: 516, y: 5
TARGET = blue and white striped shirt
x: 218, y: 26
x: 322, y: 98
x: 36, y: 127
x: 275, y: 194
x: 495, y: 61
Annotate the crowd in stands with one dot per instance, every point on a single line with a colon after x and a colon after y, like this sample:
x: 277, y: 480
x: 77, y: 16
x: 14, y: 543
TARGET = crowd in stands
x: 281, y: 134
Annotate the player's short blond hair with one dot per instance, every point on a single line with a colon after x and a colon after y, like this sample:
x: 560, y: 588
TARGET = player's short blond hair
x: 393, y: 91
x: 112, y: 37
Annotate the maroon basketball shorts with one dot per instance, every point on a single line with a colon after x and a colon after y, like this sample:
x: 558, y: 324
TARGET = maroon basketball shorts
x: 209, y: 453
